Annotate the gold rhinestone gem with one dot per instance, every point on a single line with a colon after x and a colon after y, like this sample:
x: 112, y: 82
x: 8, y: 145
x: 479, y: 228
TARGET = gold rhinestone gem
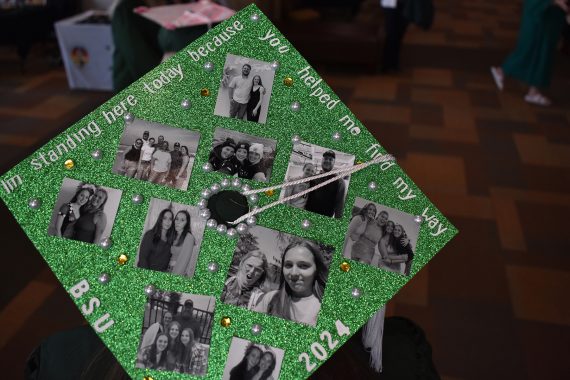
x: 345, y: 266
x: 205, y: 92
x: 69, y: 164
x: 288, y: 81
x: 226, y: 321
x: 148, y: 378
x: 270, y: 193
x: 123, y: 259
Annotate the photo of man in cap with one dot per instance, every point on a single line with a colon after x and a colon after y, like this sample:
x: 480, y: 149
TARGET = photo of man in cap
x: 329, y: 199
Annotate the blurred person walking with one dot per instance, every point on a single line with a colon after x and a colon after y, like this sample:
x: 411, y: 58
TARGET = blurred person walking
x: 531, y: 61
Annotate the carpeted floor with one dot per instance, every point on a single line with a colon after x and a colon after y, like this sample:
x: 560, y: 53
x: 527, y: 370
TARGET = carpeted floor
x: 492, y: 302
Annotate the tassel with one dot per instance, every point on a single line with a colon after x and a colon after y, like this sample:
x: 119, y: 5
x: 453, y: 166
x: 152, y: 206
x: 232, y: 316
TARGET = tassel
x: 372, y: 338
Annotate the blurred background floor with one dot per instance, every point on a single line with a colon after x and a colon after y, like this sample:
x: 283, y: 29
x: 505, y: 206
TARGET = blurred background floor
x: 492, y: 302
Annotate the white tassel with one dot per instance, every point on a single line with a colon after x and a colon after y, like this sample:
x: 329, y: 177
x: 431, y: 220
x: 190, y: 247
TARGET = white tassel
x: 372, y: 338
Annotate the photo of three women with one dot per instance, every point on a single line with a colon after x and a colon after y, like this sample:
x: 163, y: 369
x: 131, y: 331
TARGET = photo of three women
x: 250, y: 158
x: 156, y: 153
x: 278, y: 274
x: 170, y: 343
x: 84, y: 212
x: 250, y: 361
x: 381, y: 236
x: 171, y: 238
x: 245, y: 89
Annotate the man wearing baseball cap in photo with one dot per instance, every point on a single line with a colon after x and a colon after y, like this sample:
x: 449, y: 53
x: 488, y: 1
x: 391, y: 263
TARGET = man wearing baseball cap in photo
x: 329, y: 199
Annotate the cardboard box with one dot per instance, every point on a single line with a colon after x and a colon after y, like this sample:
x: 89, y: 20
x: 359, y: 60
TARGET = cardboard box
x: 86, y: 46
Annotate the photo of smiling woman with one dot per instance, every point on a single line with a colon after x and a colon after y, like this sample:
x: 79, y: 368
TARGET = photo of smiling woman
x: 252, y: 361
x: 294, y: 290
x: 84, y: 212
x: 171, y: 238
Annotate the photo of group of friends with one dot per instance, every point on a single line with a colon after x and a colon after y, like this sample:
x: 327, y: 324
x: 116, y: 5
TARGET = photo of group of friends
x: 278, y: 274
x: 381, y: 236
x: 176, y: 333
x: 308, y: 160
x: 84, y: 212
x: 171, y: 238
x: 245, y: 89
x: 251, y: 361
x: 156, y: 153
x: 241, y: 155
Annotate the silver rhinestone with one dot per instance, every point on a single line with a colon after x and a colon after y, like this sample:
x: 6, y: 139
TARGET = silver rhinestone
x: 104, y: 278
x: 137, y: 199
x: 97, y: 154
x: 236, y: 182
x: 241, y: 228
x: 34, y: 203
x: 295, y: 106
x: 295, y: 139
x: 208, y: 66
x: 211, y: 223
x: 202, y: 204
x: 245, y: 188
x: 306, y: 224
x: 206, y: 193
x: 254, y: 17
x: 185, y: 104
x: 213, y: 267
x: 215, y: 187
x: 205, y: 213
x: 149, y: 290
x: 232, y: 232
x: 251, y: 221
x: 336, y: 136
x: 372, y: 185
x: 356, y: 292
x: 222, y: 229
x: 129, y: 117
x: 254, y: 198
x: 225, y: 182
x: 275, y: 65
x: 256, y: 329
x: 207, y: 167
x: 106, y: 243
x: 418, y: 219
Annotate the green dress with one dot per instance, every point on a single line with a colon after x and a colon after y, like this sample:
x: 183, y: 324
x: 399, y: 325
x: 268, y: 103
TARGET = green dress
x: 136, y: 44
x: 541, y: 25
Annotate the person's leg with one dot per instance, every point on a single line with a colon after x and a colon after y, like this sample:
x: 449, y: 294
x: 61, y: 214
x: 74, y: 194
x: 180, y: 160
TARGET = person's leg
x: 234, y: 107
x: 242, y: 108
x: 390, y: 38
x: 131, y: 168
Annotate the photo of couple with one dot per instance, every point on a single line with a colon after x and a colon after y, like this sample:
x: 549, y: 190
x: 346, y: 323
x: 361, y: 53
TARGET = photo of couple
x: 84, y: 212
x: 251, y: 361
x: 245, y: 89
x: 156, y: 153
x: 251, y: 157
x: 308, y: 160
x: 381, y: 236
x: 171, y: 238
x: 278, y: 274
x: 176, y: 334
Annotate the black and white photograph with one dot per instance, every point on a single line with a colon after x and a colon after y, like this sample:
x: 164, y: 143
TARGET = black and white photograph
x: 84, y: 212
x: 381, y: 236
x: 278, y: 274
x: 157, y: 153
x: 252, y: 361
x: 241, y: 155
x: 308, y: 160
x: 176, y: 333
x: 171, y: 238
x: 245, y: 89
